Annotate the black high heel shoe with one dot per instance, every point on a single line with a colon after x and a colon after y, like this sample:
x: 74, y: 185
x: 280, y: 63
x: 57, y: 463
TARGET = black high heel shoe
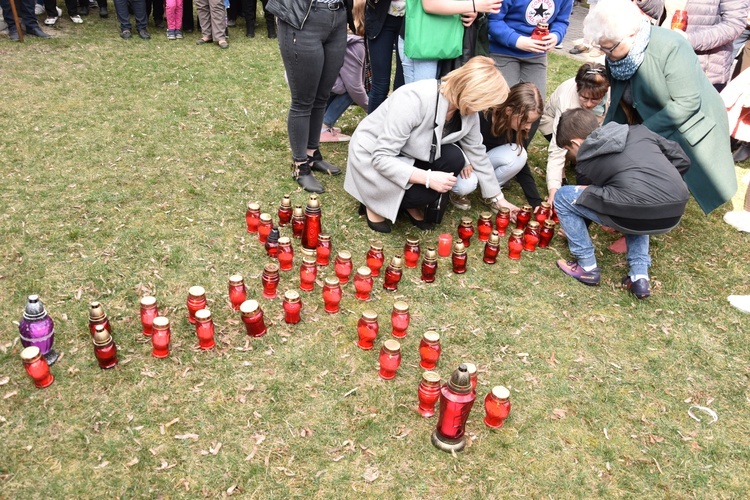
x: 383, y: 226
x: 421, y: 224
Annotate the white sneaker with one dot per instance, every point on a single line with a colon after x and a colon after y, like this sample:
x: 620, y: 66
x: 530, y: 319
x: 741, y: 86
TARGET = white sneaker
x: 38, y: 10
x: 50, y: 21
x: 738, y: 220
x: 76, y: 19
x: 741, y: 302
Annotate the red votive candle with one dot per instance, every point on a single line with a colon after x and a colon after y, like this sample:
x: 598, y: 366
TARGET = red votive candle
x: 161, y: 337
x: 429, y: 265
x: 497, y: 407
x: 252, y: 217
x: 393, y: 274
x: 466, y: 231
x: 343, y: 266
x: 428, y: 393
x: 515, y: 244
x: 502, y: 220
x: 484, y: 226
x: 544, y: 212
x: 298, y: 221
x: 491, y: 248
x: 285, y: 211
x: 286, y: 254
x: 531, y: 236
x: 332, y: 294
x: 204, y: 329
x: 292, y: 307
x: 252, y: 317
x: 36, y: 366
x: 97, y: 316
x: 523, y: 217
x: 264, y: 228
x: 459, y: 258
x: 104, y: 348
x: 196, y: 300
x: 367, y: 329
x: 237, y: 291
x: 308, y: 271
x: 429, y: 350
x: 270, y: 280
x: 363, y: 283
x: 445, y: 245
x: 375, y: 258
x: 411, y: 252
x: 389, y: 359
x: 546, y: 234
x: 148, y: 313
x: 323, y: 250
x: 400, y: 319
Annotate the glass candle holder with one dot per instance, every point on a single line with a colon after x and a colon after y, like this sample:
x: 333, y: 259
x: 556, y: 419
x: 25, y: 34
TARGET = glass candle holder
x: 323, y: 250
x: 531, y: 236
x: 472, y: 369
x: 237, y: 291
x: 393, y: 274
x: 292, y: 307
x: 204, y: 329
x: 104, y: 348
x: 252, y: 217
x: 312, y: 223
x: 332, y: 294
x: 466, y: 231
x: 286, y: 254
x: 285, y: 211
x: 196, y: 300
x: 491, y: 248
x: 459, y: 258
x: 97, y: 316
x: 272, y: 243
x: 36, y: 366
x: 161, y: 337
x: 400, y: 319
x: 502, y: 220
x: 298, y: 221
x: 496, y: 407
x: 389, y: 359
x: 456, y: 400
x: 270, y: 280
x: 429, y: 266
x: 484, y: 226
x: 523, y: 217
x: 540, y: 31
x: 445, y: 244
x: 148, y: 312
x: 429, y: 350
x: 679, y: 20
x: 37, y: 328
x: 343, y: 266
x: 428, y: 393
x: 544, y: 212
x: 308, y: 272
x: 363, y: 283
x: 515, y: 244
x: 375, y: 258
x: 252, y: 317
x: 546, y: 234
x: 367, y: 329
x: 264, y: 228
x: 411, y: 252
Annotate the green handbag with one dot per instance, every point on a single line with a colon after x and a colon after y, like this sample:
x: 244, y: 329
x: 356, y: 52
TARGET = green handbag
x: 431, y: 36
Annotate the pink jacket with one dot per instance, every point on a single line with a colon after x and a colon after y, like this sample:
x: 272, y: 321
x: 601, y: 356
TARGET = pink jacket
x: 736, y: 97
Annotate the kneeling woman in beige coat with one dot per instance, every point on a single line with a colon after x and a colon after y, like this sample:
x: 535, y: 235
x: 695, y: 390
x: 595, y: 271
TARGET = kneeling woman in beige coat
x: 389, y: 169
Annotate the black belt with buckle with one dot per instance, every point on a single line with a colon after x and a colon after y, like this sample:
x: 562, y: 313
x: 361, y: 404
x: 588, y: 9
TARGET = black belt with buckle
x: 329, y: 5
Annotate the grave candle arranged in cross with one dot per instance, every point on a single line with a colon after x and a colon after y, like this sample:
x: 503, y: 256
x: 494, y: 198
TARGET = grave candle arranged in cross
x: 389, y: 359
x: 523, y: 217
x: 264, y: 227
x: 204, y: 329
x: 312, y: 223
x: 367, y: 329
x: 484, y: 226
x: 456, y: 400
x: 237, y: 291
x: 400, y: 319
x: 105, y: 349
x: 272, y: 243
x: 343, y: 266
x: 393, y: 274
x: 36, y: 367
x: 375, y: 258
x: 491, y: 248
x: 308, y: 271
x: 196, y: 300
x: 332, y: 294
x: 497, y: 407
x: 546, y: 234
x: 97, y: 316
x: 298, y: 221
x: 459, y: 258
x: 428, y: 393
x: 36, y: 328
x: 252, y: 217
x: 252, y: 317
x: 466, y: 231
x: 363, y: 283
x: 429, y: 350
x: 531, y: 236
x: 502, y: 220
x: 323, y: 250
x: 411, y: 252
x: 515, y: 244
x: 429, y: 265
x: 270, y: 280
x: 285, y: 211
x: 445, y: 244
x: 292, y: 307
x: 148, y: 312
x: 286, y: 254
x: 161, y: 337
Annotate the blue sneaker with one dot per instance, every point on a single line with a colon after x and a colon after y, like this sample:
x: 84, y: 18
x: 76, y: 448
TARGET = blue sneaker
x: 571, y: 268
x: 171, y: 35
x: 639, y: 288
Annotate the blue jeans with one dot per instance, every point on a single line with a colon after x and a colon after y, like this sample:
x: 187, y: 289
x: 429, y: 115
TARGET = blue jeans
x: 312, y: 58
x: 573, y: 221
x: 416, y: 69
x: 381, y: 55
x: 28, y: 18
x: 337, y: 104
x: 123, y: 16
x: 504, y: 159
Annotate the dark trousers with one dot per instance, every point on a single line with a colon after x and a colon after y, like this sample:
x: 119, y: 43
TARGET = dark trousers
x: 381, y: 55
x: 249, y: 10
x: 188, y: 20
x: 157, y: 7
x: 25, y: 9
x: 139, y: 11
x: 312, y: 58
x: 451, y: 160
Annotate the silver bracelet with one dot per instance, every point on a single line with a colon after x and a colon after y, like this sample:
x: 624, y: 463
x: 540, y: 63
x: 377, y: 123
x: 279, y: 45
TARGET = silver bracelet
x: 427, y: 183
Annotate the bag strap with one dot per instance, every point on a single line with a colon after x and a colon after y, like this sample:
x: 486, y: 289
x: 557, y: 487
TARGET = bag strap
x: 433, y: 148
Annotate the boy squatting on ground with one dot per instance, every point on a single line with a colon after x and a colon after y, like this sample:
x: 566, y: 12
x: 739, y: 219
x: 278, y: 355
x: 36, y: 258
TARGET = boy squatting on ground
x: 631, y: 180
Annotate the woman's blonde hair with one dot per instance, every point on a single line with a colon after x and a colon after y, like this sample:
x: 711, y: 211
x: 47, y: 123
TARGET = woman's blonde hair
x: 476, y: 86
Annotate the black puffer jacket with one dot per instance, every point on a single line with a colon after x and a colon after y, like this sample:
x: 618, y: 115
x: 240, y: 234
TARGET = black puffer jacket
x: 295, y: 12
x: 636, y: 178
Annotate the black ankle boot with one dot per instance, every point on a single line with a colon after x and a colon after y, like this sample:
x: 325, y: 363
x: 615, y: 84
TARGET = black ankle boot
x: 320, y: 165
x: 271, y: 25
x: 302, y: 173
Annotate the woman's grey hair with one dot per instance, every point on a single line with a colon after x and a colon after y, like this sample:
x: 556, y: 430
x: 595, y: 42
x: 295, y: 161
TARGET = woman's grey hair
x: 611, y: 20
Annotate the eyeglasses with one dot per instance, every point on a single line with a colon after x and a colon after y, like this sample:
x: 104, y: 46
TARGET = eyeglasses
x: 608, y: 50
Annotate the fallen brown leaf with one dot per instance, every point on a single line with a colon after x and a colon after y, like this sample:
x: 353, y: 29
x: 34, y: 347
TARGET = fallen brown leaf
x: 186, y: 436
x: 559, y: 413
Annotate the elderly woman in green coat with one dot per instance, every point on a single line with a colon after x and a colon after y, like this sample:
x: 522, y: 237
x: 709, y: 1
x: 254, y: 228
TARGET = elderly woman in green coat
x: 656, y: 80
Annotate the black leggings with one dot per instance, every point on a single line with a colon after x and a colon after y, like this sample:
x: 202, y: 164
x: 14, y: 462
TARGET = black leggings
x: 451, y: 160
